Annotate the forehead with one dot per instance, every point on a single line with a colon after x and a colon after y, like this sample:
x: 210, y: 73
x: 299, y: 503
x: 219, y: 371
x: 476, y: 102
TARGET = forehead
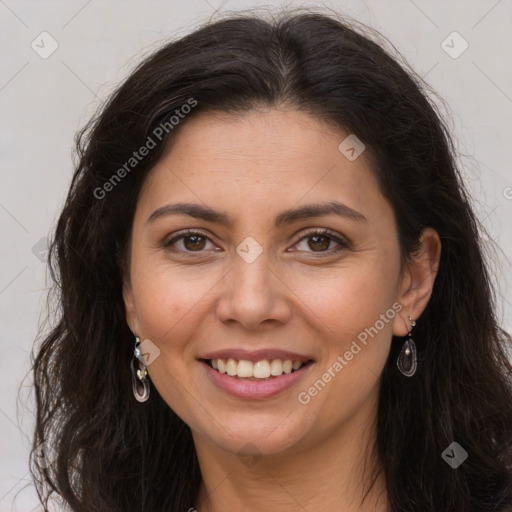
x: 261, y: 158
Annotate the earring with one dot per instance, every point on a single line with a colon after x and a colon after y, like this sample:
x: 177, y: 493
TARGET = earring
x: 140, y: 383
x: 406, y: 361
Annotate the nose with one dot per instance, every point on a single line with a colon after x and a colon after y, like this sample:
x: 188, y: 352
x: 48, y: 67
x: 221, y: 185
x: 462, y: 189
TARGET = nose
x: 254, y: 295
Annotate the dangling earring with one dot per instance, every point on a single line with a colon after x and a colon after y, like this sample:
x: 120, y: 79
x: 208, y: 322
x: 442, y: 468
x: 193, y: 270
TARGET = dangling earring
x: 406, y: 361
x: 140, y: 383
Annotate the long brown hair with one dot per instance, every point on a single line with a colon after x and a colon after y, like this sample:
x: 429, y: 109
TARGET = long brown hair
x: 115, y: 454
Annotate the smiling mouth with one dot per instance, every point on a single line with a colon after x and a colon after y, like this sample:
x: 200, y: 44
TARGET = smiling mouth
x: 266, y: 369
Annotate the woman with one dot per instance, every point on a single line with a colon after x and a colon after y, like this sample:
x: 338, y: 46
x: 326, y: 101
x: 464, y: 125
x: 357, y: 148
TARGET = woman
x: 272, y: 291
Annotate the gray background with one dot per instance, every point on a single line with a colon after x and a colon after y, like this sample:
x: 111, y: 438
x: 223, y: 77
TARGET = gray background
x: 44, y: 101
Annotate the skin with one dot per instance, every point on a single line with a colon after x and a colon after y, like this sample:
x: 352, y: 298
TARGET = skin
x: 253, y: 166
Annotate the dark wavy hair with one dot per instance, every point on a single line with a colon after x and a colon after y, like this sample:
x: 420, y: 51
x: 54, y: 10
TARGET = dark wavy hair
x: 117, y: 455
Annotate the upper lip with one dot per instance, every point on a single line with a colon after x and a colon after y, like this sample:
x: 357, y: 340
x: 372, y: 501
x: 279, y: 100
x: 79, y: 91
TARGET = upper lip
x: 255, y: 355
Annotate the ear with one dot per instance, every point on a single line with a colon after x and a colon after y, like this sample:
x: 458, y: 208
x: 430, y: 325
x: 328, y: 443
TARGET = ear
x: 418, y: 281
x: 129, y: 304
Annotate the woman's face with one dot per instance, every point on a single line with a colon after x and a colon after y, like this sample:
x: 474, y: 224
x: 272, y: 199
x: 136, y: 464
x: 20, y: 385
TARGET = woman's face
x: 257, y: 280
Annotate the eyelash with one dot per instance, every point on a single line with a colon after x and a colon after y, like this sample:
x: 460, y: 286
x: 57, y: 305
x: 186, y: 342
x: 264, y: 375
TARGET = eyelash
x: 342, y: 242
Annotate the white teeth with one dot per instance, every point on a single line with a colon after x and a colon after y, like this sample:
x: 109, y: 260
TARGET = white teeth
x: 259, y: 370
x: 276, y: 367
x: 231, y: 367
x: 245, y: 368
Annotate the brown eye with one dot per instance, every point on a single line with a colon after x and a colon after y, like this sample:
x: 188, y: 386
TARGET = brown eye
x: 319, y: 242
x: 194, y: 242
x: 188, y: 242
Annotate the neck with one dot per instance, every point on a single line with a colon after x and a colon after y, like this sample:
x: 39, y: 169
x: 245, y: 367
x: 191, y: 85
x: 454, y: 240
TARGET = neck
x: 341, y: 469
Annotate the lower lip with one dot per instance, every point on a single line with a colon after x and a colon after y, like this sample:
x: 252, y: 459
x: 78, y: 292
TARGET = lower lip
x: 253, y: 389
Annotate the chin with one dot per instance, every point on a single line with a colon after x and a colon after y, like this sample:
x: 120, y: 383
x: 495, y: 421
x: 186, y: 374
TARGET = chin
x: 251, y: 435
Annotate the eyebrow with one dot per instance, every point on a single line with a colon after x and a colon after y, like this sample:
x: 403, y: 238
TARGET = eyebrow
x: 286, y: 217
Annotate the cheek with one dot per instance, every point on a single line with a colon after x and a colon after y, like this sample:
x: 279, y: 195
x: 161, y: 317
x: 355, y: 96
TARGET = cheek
x: 169, y: 307
x: 168, y: 302
x: 352, y: 318
x: 349, y: 299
